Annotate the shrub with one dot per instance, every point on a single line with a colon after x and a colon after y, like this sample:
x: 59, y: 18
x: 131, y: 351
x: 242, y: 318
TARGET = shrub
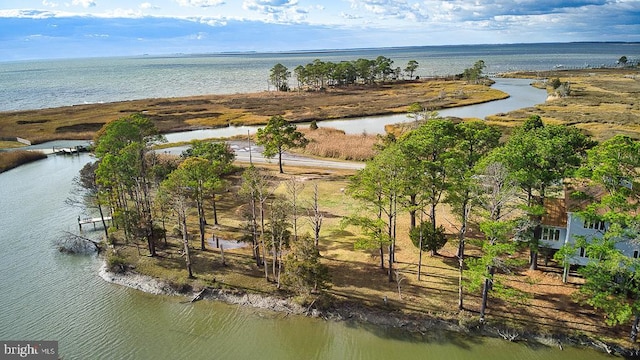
x: 116, y: 263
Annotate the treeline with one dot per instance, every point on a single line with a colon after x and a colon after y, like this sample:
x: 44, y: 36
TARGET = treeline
x: 318, y: 75
x: 501, y: 189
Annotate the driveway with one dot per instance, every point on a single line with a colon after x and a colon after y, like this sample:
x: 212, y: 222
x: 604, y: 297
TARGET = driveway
x: 244, y: 151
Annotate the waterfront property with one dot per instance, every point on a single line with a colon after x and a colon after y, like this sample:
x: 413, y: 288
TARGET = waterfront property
x: 563, y: 223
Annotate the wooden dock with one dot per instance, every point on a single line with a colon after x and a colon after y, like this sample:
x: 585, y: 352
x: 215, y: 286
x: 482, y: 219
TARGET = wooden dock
x: 69, y: 150
x: 93, y: 221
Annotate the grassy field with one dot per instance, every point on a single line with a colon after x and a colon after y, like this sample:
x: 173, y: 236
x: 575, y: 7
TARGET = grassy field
x: 603, y: 102
x: 356, y: 275
x: 175, y: 114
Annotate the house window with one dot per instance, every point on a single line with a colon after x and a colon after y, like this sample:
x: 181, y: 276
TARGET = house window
x: 583, y: 253
x: 596, y: 225
x: 550, y: 234
x: 635, y: 254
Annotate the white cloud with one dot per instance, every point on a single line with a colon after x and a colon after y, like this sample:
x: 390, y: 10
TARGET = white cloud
x: 49, y: 3
x: 84, y: 3
x: 148, y: 6
x: 200, y: 3
x: 27, y: 14
x: 391, y: 9
x: 120, y: 13
x: 269, y: 6
x: 210, y: 21
x: 350, y: 16
x: 277, y: 10
x: 198, y: 36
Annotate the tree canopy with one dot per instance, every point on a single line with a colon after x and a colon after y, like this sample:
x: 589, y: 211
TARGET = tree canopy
x: 279, y: 135
x: 318, y: 74
x: 279, y: 75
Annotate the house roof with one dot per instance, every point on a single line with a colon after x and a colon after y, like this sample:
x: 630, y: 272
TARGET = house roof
x: 578, y: 194
x: 555, y: 212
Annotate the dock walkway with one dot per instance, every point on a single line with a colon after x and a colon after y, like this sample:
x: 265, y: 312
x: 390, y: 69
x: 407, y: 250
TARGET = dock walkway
x: 94, y: 221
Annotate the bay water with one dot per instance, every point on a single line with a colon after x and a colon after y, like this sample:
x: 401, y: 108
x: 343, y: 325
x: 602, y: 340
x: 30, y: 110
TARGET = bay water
x: 40, y: 84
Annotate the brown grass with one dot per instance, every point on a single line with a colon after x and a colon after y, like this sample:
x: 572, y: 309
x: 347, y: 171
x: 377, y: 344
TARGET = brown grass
x: 333, y: 143
x: 15, y: 158
x: 175, y: 114
x: 4, y: 144
x: 603, y: 103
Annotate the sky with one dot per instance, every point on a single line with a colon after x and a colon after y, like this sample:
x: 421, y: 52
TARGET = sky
x: 42, y: 29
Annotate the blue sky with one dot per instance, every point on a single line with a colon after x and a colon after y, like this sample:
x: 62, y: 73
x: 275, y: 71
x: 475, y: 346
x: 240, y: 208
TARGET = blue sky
x: 37, y: 29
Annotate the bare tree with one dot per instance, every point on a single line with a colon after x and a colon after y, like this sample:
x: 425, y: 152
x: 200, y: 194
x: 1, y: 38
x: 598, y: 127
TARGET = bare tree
x: 315, y: 215
x: 498, y: 193
x: 256, y: 187
x: 279, y: 234
x: 178, y: 192
x: 75, y: 244
x: 294, y: 188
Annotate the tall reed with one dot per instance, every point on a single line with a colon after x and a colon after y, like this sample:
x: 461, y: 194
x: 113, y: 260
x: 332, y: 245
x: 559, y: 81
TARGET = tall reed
x: 12, y: 159
x: 333, y: 143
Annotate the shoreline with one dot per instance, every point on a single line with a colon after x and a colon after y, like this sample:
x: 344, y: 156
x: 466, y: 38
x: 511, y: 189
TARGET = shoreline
x: 350, y: 311
x: 214, y: 111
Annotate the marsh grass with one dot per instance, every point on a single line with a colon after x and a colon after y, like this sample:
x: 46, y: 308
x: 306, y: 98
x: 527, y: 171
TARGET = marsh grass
x: 176, y: 114
x: 603, y: 103
x: 15, y: 158
x: 10, y: 144
x: 333, y: 143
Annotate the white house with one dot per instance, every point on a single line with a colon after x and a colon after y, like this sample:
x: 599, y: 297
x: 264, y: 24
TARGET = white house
x: 563, y: 225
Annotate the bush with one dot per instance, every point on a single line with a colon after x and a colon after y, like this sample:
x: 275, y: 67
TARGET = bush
x: 112, y: 240
x: 116, y: 263
x: 303, y: 271
x: 432, y: 240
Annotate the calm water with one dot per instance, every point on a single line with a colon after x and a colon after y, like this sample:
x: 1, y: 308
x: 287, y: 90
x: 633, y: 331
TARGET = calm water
x: 47, y: 295
x: 42, y: 84
x: 521, y: 95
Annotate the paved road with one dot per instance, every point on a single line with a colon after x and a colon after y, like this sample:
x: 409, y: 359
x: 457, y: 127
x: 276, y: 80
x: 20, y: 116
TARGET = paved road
x: 241, y: 148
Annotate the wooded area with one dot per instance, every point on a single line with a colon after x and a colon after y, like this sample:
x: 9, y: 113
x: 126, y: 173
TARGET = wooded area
x: 494, y: 190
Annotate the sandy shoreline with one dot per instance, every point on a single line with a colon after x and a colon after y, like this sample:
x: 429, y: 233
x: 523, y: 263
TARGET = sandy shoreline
x: 353, y: 312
